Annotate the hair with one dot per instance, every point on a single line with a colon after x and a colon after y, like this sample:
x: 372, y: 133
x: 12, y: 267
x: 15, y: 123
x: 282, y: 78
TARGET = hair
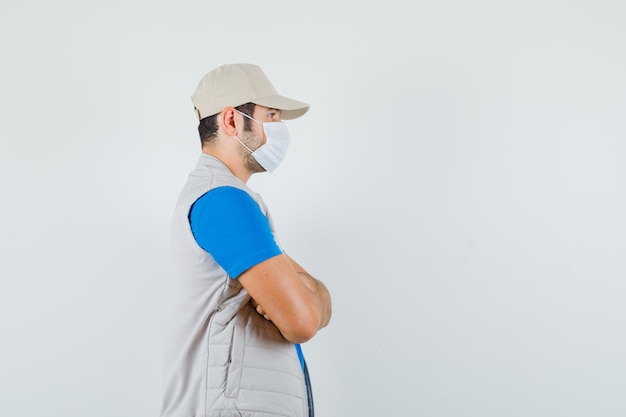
x: 207, y: 128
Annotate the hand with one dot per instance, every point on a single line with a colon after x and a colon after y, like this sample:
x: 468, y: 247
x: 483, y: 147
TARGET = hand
x: 259, y: 309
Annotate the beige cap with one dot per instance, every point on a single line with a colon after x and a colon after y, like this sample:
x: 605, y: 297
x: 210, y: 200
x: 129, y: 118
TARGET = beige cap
x: 237, y: 84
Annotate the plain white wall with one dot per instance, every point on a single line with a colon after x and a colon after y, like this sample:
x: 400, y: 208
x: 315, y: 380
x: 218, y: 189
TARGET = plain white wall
x: 458, y: 183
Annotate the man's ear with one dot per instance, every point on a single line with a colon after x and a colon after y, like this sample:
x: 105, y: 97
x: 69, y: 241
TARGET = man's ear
x: 227, y: 122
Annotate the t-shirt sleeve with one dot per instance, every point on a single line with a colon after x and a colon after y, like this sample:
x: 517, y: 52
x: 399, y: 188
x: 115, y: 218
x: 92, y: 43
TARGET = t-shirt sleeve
x: 229, y: 224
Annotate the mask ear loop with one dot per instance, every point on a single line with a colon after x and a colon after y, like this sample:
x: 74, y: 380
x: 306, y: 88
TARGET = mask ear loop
x: 243, y: 144
x: 237, y: 137
x: 249, y: 117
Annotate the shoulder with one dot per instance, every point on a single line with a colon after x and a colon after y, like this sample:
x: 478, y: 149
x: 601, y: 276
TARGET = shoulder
x: 226, y: 197
x: 227, y: 207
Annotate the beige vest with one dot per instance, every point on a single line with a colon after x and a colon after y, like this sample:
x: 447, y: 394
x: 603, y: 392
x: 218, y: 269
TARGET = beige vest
x: 222, y: 358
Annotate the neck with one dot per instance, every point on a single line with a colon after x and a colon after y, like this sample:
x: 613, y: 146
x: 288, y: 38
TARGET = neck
x: 235, y: 167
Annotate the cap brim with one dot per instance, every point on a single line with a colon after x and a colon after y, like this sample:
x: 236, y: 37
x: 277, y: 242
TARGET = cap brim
x: 289, y: 108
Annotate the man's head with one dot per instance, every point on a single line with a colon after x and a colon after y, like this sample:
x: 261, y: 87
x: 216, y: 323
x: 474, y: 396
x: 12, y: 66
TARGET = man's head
x: 228, y: 102
x: 234, y: 85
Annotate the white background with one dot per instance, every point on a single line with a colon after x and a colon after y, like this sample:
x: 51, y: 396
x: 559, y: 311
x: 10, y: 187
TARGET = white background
x: 459, y: 184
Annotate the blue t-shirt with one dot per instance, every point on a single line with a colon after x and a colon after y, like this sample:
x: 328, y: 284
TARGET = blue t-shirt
x: 229, y: 224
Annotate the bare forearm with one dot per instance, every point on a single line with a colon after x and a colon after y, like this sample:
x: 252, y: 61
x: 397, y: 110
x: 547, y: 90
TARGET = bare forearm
x: 286, y: 294
x: 321, y: 293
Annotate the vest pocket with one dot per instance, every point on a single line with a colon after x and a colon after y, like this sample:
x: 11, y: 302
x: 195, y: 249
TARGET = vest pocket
x: 235, y: 363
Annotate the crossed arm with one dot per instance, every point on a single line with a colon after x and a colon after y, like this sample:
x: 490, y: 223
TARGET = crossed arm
x: 285, y: 293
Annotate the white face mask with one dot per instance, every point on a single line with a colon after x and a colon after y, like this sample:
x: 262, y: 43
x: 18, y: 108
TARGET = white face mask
x: 270, y: 154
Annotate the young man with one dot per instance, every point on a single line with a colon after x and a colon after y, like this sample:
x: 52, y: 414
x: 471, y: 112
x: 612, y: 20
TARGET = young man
x: 240, y: 305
